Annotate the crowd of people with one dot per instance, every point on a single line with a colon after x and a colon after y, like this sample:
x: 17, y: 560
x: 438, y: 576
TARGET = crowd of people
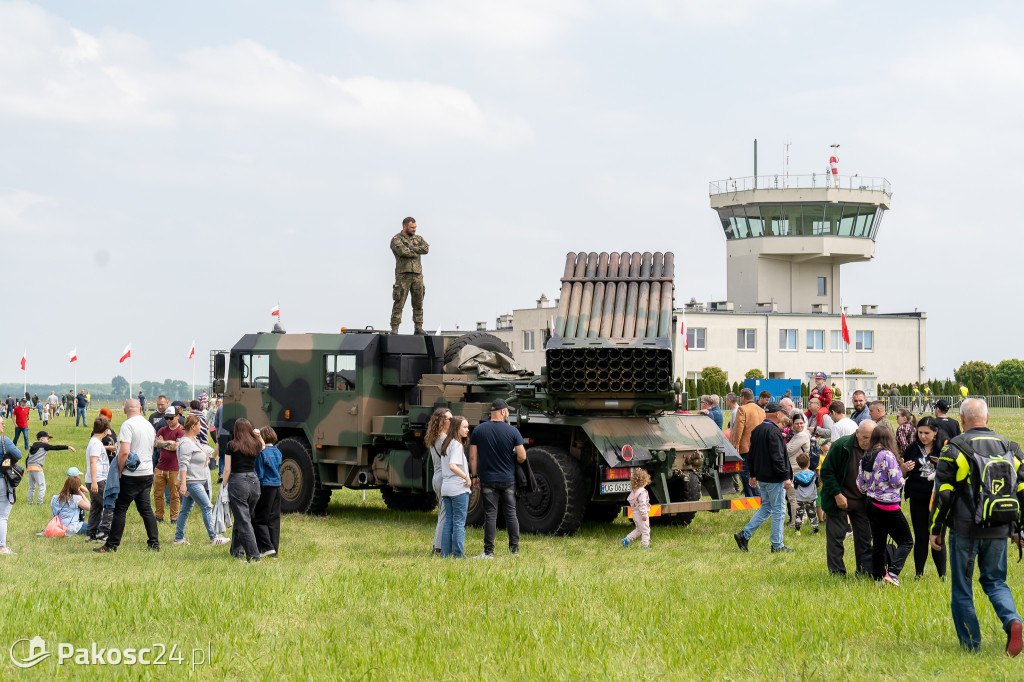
x: 172, y: 448
x: 854, y: 472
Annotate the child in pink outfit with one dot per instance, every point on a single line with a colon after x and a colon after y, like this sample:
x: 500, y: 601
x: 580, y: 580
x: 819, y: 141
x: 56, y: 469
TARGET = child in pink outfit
x: 640, y: 501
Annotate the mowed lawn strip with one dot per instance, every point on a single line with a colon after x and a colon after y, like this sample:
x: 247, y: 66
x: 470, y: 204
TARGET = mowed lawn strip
x: 355, y: 595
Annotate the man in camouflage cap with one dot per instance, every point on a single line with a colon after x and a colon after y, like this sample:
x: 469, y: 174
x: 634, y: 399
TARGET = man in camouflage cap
x: 408, y: 248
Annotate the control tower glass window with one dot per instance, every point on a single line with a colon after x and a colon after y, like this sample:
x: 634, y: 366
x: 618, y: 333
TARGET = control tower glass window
x: 800, y: 220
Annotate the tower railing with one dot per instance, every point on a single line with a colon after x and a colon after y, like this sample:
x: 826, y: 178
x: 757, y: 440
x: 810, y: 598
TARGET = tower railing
x: 812, y: 181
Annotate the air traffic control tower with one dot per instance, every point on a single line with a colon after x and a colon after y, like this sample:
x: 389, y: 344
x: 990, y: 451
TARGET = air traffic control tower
x: 787, y: 236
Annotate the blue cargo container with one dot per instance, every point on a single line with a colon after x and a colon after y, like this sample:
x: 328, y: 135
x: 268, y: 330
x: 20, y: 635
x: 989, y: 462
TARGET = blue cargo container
x: 777, y: 387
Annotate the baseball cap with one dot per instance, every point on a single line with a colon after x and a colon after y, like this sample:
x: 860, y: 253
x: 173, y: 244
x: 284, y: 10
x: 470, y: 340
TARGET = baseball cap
x: 170, y: 412
x: 942, y: 404
x: 773, y: 407
x: 73, y: 471
x: 820, y: 375
x: 43, y: 434
x: 499, y: 404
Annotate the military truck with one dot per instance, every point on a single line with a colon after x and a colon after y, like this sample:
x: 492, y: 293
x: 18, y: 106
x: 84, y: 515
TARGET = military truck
x: 351, y: 408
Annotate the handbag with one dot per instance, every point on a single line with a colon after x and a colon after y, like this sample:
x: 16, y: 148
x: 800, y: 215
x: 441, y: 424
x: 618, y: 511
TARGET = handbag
x: 12, y: 472
x: 54, y: 529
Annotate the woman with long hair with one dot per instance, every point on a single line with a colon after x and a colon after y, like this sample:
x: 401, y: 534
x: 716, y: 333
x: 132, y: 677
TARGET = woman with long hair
x: 456, y: 486
x: 244, y: 489
x: 193, y: 473
x: 924, y: 452
x: 67, y: 503
x: 436, y: 429
x: 881, y: 478
x: 906, y: 431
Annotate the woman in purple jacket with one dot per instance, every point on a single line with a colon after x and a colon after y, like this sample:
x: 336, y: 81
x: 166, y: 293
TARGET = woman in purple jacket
x: 881, y: 479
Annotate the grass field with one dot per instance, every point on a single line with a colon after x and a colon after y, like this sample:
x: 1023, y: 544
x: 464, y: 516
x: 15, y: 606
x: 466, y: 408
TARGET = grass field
x: 354, y: 595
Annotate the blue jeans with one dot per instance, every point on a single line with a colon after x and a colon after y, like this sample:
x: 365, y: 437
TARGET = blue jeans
x: 453, y: 535
x: 991, y: 555
x: 39, y: 409
x: 18, y: 430
x: 196, y: 495
x: 80, y: 414
x: 745, y: 478
x: 773, y: 505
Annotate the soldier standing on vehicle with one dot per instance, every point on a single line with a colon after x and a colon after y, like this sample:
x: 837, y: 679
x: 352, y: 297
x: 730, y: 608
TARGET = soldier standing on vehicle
x: 408, y: 248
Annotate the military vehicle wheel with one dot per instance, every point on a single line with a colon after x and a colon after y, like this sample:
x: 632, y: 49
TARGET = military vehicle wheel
x: 557, y: 506
x: 400, y: 500
x: 475, y: 513
x: 481, y: 340
x: 602, y: 512
x: 681, y: 491
x: 301, y: 491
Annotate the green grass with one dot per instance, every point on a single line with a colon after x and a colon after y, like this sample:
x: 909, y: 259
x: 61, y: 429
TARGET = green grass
x: 355, y: 595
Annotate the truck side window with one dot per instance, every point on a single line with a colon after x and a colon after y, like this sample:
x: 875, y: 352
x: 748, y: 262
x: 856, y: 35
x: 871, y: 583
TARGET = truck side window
x: 254, y: 370
x: 339, y: 372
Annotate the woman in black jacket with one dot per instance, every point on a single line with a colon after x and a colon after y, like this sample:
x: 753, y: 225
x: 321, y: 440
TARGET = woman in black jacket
x: 924, y: 451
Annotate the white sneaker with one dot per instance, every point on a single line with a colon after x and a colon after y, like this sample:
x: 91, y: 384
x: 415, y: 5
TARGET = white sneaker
x: 6, y: 550
x: 269, y: 552
x: 484, y: 555
x: 182, y: 542
x: 219, y: 540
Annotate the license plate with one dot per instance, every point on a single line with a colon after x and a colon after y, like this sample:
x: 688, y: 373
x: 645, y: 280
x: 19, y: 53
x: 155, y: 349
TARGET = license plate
x: 616, y: 487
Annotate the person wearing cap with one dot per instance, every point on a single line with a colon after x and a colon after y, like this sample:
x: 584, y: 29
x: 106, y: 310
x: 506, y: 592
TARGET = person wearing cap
x: 770, y: 470
x: 166, y: 474
x: 948, y: 428
x: 823, y: 392
x: 70, y: 502
x: 494, y: 448
x: 36, y: 459
x: 21, y: 421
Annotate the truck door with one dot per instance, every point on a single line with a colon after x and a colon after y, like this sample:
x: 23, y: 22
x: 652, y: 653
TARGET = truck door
x: 338, y: 425
x: 247, y: 384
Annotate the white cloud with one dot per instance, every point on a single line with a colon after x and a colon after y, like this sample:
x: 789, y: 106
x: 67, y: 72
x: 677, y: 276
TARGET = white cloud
x: 709, y: 12
x: 66, y: 75
x: 481, y: 23
x: 13, y: 206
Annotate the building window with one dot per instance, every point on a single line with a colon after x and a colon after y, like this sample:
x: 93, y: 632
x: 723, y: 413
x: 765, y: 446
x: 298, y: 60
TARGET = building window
x: 528, y: 340
x: 865, y: 340
x: 836, y: 338
x: 696, y: 338
x: 822, y: 286
x: 746, y: 339
x: 787, y: 339
x: 815, y: 339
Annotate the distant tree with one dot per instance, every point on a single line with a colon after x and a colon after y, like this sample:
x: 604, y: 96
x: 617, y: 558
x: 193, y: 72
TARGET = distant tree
x: 754, y: 374
x: 857, y: 370
x: 714, y: 374
x: 973, y: 373
x: 119, y: 387
x: 1007, y: 375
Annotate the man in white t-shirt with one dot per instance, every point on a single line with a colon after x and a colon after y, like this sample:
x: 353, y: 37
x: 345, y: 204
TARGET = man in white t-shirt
x: 135, y: 438
x: 96, y: 467
x: 841, y: 424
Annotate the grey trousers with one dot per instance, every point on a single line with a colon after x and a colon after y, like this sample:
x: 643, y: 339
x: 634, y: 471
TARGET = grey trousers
x: 835, y: 536
x: 436, y: 483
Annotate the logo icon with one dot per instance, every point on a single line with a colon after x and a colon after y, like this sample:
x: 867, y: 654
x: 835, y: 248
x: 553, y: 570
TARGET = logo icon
x: 627, y: 453
x: 36, y: 652
x: 997, y: 485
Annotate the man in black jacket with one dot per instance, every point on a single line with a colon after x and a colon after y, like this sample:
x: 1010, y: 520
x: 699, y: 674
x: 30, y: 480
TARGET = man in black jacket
x: 949, y: 428
x: 770, y: 469
x: 954, y: 506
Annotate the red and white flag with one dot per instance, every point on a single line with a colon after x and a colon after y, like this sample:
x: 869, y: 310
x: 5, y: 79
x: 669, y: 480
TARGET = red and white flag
x: 73, y: 355
x: 24, y: 359
x: 276, y: 310
x: 127, y: 353
x: 846, y: 330
x: 192, y: 351
x: 682, y: 330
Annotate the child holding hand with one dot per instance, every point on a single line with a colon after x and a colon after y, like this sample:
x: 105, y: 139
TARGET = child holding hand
x: 640, y: 501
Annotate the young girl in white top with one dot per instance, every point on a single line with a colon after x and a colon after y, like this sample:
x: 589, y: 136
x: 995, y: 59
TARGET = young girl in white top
x: 455, y: 488
x: 640, y: 501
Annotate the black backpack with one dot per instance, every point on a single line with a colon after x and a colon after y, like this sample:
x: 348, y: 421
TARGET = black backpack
x: 994, y: 494
x: 10, y: 471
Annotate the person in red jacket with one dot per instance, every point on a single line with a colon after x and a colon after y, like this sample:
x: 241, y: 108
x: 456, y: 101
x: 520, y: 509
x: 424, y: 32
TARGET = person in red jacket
x: 21, y: 422
x: 823, y: 392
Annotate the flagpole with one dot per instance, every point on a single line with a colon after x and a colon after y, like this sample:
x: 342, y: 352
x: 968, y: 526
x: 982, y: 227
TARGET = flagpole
x: 24, y: 374
x: 131, y: 366
x: 193, y: 374
x: 846, y: 345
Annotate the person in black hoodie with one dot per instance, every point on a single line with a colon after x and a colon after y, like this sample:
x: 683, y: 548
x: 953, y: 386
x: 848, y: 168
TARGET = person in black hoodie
x: 924, y: 452
x: 948, y: 428
x: 770, y: 468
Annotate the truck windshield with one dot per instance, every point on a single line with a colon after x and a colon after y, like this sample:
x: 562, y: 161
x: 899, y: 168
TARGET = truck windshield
x: 339, y: 373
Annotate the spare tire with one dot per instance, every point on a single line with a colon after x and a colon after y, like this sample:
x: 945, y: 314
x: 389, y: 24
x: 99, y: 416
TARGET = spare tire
x: 481, y: 340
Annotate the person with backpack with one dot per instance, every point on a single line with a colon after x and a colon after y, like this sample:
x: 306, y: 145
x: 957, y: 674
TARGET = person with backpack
x: 979, y: 494
x: 9, y: 455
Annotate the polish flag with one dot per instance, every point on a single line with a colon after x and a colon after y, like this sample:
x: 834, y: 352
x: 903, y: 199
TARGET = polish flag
x: 127, y: 353
x: 551, y: 326
x: 73, y: 355
x: 192, y: 351
x: 276, y: 310
x: 846, y: 330
x: 682, y: 330
x: 24, y: 359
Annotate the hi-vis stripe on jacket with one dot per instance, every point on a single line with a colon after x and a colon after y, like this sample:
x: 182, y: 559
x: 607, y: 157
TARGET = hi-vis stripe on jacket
x: 954, y: 475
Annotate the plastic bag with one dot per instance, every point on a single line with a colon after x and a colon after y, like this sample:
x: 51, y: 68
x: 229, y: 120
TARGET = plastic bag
x: 54, y: 529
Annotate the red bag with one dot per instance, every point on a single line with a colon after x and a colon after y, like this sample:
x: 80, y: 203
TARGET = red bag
x: 54, y: 529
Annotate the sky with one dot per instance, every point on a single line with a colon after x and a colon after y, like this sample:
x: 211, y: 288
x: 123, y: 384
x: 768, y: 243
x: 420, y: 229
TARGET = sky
x: 171, y: 171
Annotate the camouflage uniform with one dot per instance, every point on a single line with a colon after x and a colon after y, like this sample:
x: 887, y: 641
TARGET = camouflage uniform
x: 408, y: 277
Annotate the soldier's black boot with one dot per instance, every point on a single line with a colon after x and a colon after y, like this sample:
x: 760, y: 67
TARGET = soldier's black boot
x: 394, y: 330
x: 419, y: 330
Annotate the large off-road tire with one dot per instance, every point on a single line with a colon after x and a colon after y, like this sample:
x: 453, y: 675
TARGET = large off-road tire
x: 475, y: 513
x: 602, y: 512
x: 481, y: 340
x: 401, y: 500
x: 681, y: 491
x: 558, y: 505
x: 301, y: 491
